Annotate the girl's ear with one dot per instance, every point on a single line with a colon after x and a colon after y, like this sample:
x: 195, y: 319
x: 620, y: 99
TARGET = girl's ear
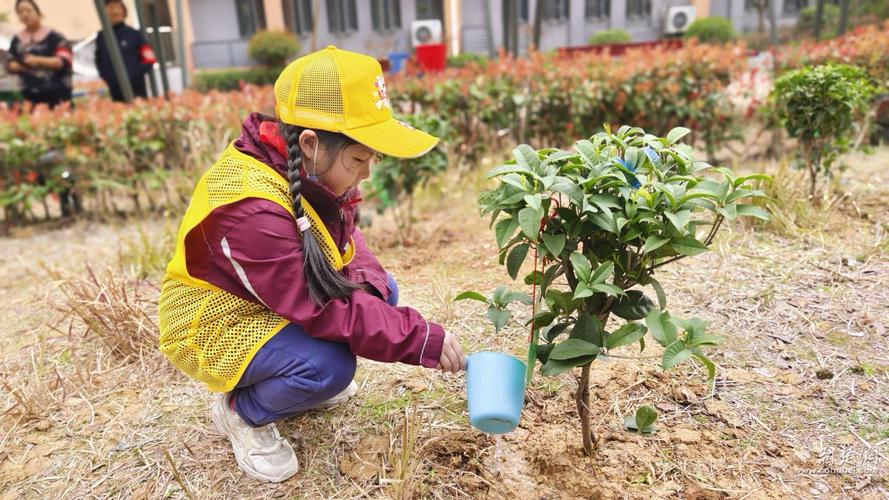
x: 308, y: 144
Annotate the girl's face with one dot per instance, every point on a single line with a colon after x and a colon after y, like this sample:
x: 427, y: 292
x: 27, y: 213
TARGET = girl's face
x: 28, y: 15
x: 338, y: 170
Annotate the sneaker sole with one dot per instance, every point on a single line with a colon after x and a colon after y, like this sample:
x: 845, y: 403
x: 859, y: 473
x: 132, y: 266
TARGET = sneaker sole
x: 219, y: 422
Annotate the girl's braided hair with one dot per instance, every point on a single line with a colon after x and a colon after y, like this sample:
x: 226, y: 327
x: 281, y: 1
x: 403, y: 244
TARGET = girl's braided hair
x: 325, y: 283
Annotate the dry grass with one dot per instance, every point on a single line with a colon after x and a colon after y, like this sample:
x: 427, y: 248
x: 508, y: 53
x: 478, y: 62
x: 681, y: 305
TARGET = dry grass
x: 118, y: 310
x: 88, y: 408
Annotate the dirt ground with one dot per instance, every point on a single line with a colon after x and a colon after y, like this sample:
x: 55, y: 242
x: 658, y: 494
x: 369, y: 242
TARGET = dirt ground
x: 799, y: 408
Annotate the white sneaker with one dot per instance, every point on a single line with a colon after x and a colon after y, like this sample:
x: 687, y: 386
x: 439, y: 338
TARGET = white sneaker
x: 340, y: 398
x: 261, y: 452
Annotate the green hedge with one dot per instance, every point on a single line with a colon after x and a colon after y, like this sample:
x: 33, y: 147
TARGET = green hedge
x: 608, y: 37
x: 712, y: 29
x: 230, y: 79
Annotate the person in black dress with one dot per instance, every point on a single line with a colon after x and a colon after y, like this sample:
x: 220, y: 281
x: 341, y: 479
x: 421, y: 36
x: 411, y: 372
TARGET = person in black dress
x: 138, y: 57
x: 41, y: 57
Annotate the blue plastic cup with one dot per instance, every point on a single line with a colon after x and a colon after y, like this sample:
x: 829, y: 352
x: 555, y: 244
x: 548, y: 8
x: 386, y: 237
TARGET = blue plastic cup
x: 495, y: 391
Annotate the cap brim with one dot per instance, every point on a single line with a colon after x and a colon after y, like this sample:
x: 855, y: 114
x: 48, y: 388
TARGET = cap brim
x: 394, y: 138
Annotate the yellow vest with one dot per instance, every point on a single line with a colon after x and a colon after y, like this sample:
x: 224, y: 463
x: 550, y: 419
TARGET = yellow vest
x: 208, y: 333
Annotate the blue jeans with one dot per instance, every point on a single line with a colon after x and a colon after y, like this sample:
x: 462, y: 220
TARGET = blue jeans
x: 294, y: 372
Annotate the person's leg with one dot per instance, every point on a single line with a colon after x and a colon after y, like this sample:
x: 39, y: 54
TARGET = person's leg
x: 393, y: 289
x: 292, y: 373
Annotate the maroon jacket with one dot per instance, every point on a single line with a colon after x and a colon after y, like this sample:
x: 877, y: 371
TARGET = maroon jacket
x: 251, y: 249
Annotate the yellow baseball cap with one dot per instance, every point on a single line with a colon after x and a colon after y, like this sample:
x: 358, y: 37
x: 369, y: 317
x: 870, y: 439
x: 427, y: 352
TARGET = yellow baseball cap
x: 342, y: 91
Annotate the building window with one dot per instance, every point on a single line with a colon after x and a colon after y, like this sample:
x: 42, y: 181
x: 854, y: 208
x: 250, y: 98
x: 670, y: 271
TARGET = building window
x: 794, y: 6
x: 385, y: 15
x: 251, y: 17
x: 555, y: 10
x: 523, y: 10
x: 342, y: 16
x: 638, y: 9
x: 429, y: 9
x: 598, y: 9
x: 298, y: 16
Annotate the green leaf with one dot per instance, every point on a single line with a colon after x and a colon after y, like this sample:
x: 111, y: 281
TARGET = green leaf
x: 555, y: 243
x: 515, y: 259
x: 662, y: 329
x: 582, y: 267
x: 687, y: 246
x: 705, y: 339
x: 625, y: 335
x: 752, y: 211
x: 744, y: 178
x: 588, y: 328
x: 533, y: 201
x: 679, y: 219
x: 711, y: 366
x: 659, y: 291
x: 526, y: 155
x: 587, y: 151
x: 654, y: 242
x: 522, y: 297
x: 469, y: 294
x: 542, y: 319
x: 676, y: 353
x: 582, y: 291
x: 504, y: 230
x: 565, y: 185
x: 554, y: 367
x: 676, y: 134
x: 534, y: 278
x: 608, y: 288
x: 499, y: 317
x: 573, y: 348
x: 529, y: 220
x: 645, y: 416
x: 603, y: 272
x: 633, y: 306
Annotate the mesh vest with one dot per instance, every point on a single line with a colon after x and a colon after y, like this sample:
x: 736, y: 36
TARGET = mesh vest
x: 208, y: 333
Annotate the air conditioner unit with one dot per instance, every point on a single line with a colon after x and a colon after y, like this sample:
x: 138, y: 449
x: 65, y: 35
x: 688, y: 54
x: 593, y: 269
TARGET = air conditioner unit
x: 679, y: 19
x: 426, y: 32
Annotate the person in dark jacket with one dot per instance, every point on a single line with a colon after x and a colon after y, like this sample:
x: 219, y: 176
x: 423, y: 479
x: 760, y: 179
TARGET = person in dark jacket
x: 41, y: 57
x: 138, y: 56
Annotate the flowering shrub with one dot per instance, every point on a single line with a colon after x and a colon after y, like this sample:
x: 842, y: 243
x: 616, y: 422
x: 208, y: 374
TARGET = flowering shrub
x: 116, y: 152
x: 600, y: 221
x: 866, y: 47
x: 549, y: 99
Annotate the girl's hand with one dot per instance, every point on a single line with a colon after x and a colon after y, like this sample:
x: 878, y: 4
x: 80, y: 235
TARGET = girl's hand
x: 15, y: 67
x: 452, y: 358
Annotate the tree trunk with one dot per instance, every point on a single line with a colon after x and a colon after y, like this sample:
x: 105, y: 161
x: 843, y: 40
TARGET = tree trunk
x: 582, y: 400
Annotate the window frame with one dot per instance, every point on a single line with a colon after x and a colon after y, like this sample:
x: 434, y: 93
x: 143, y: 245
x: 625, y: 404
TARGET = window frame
x: 257, y: 18
x: 644, y: 10
x: 298, y: 16
x: 602, y: 6
x: 562, y: 11
x: 346, y: 21
x: 391, y: 15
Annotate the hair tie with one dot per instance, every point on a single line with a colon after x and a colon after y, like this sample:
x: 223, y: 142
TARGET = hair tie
x: 303, y: 223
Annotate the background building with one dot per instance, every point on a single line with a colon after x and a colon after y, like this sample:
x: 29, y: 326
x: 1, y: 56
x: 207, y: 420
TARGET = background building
x: 215, y: 33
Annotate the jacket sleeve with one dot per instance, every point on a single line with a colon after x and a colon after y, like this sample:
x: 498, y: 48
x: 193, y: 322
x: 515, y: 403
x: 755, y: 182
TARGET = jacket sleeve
x: 264, y: 255
x: 146, y: 53
x: 365, y: 268
x: 62, y: 50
